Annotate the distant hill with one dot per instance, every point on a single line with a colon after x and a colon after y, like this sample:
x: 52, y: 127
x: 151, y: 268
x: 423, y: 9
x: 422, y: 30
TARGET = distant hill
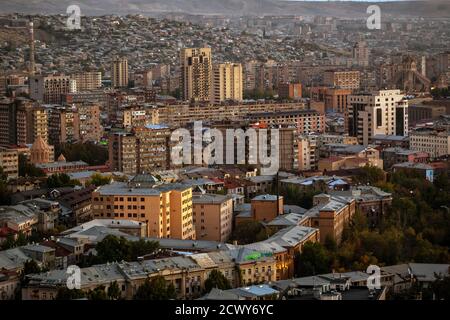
x: 429, y: 8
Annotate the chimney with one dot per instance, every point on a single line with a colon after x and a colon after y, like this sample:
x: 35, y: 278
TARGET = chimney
x: 32, y: 63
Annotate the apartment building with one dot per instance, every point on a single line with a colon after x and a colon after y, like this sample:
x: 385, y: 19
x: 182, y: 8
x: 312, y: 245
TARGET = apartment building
x: 227, y: 82
x: 180, y: 115
x: 381, y: 113
x: 360, y: 54
x: 9, y: 162
x: 143, y: 150
x: 63, y: 125
x: 306, y: 121
x: 31, y: 123
x: 290, y: 90
x: 336, y: 99
x: 342, y: 79
x: 89, y: 122
x: 86, y: 81
x: 435, y: 143
x: 119, y: 72
x: 21, y: 122
x: 336, y: 139
x: 307, y: 153
x: 213, y: 216
x: 50, y: 88
x: 166, y: 209
x: 196, y: 74
x: 122, y: 152
x: 153, y: 152
x: 139, y: 116
x: 8, y: 112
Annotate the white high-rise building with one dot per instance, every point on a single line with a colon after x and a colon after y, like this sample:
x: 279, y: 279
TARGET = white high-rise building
x: 384, y: 112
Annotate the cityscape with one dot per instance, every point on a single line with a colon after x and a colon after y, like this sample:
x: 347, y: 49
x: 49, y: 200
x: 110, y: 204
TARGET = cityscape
x: 244, y: 151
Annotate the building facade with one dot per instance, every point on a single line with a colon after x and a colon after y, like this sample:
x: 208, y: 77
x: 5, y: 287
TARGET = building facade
x: 381, y: 113
x: 196, y: 74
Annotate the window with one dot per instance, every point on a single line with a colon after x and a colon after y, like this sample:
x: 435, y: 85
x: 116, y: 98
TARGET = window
x: 379, y: 118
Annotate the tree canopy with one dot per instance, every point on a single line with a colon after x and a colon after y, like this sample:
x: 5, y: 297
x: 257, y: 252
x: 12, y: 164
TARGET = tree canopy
x: 90, y: 153
x: 59, y: 180
x: 156, y: 289
x: 249, y: 232
x: 216, y: 280
x: 113, y: 248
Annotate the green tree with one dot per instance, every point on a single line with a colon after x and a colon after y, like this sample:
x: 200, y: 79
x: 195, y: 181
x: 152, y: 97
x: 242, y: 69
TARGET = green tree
x: 314, y: 259
x: 155, y: 289
x: 26, y: 169
x: 249, y: 232
x: 216, y: 280
x: 370, y: 175
x: 98, y: 294
x: 441, y: 288
x: 113, y: 248
x: 98, y: 180
x: 65, y: 293
x: 29, y: 267
x: 59, y: 180
x: 90, y: 153
x: 114, y: 291
x: 12, y: 242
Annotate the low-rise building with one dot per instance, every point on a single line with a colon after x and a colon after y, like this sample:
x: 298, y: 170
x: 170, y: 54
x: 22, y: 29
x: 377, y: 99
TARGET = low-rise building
x: 331, y: 214
x: 393, y: 156
x: 435, y: 143
x: 371, y: 201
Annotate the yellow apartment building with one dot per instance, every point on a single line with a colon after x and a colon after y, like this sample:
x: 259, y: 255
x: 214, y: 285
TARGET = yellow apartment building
x: 166, y: 209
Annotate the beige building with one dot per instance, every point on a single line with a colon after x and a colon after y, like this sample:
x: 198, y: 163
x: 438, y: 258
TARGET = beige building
x: 436, y: 144
x: 144, y: 150
x: 166, y: 209
x: 63, y: 125
x: 9, y: 162
x: 336, y: 99
x: 334, y: 139
x: 86, y: 81
x: 137, y: 116
x: 266, y: 207
x: 89, y: 123
x: 227, y: 82
x: 196, y: 73
x: 50, y: 88
x: 119, y: 72
x: 331, y: 214
x: 360, y: 54
x: 31, y: 123
x: 380, y: 113
x: 342, y: 79
x: 153, y: 152
x: 307, y: 153
x: 213, y: 216
x: 122, y: 152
